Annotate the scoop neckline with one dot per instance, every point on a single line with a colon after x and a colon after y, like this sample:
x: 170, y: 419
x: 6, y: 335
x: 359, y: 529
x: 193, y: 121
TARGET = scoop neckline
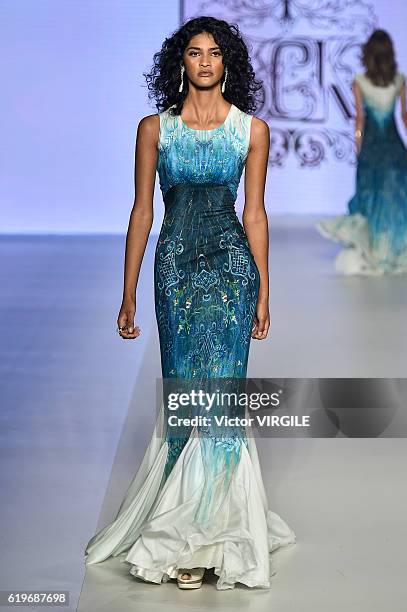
x: 183, y: 124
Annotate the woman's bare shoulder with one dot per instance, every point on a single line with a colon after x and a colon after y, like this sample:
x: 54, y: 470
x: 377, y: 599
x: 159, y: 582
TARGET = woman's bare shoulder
x: 149, y: 123
x: 149, y: 128
x: 260, y: 125
x: 260, y: 131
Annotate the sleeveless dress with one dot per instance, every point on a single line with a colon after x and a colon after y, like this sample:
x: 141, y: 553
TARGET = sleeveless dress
x: 374, y: 232
x: 199, y: 500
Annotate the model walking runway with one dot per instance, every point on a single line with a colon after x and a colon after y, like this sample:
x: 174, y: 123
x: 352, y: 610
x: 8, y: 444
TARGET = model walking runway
x: 200, y: 503
x: 374, y: 232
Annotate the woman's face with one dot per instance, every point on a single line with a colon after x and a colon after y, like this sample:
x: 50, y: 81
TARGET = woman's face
x: 202, y: 55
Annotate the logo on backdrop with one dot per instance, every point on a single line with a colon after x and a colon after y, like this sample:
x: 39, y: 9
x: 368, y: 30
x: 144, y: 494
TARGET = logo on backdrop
x: 306, y: 53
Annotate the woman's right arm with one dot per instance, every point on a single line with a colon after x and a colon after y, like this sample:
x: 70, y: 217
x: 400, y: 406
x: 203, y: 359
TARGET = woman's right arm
x: 360, y: 116
x: 141, y: 219
x: 403, y: 102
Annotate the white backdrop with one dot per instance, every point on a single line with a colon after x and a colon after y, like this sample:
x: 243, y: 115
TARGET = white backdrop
x: 73, y: 93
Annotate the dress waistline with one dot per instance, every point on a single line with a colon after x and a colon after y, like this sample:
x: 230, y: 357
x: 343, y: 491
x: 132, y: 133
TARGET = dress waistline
x: 208, y: 198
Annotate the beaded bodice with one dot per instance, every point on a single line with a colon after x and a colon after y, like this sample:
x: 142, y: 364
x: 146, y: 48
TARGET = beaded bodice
x: 217, y: 155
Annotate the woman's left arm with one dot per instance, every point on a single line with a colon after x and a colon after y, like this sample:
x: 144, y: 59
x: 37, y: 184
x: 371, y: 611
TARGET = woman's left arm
x: 255, y: 220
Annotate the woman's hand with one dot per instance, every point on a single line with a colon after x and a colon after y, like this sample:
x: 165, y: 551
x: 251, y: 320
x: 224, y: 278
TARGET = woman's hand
x: 261, y: 320
x: 358, y: 139
x: 358, y: 146
x: 125, y: 320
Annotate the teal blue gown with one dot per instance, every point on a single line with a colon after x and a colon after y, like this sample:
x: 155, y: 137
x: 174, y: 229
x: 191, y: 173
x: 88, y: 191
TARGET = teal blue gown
x: 199, y: 500
x: 374, y: 230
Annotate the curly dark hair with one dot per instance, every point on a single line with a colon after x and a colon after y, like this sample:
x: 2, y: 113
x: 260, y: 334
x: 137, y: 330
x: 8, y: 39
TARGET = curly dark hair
x: 379, y: 59
x: 164, y: 78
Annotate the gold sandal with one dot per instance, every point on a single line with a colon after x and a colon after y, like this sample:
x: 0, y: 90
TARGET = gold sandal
x: 195, y: 577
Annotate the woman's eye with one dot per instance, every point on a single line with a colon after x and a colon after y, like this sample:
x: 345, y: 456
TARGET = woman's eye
x: 197, y: 53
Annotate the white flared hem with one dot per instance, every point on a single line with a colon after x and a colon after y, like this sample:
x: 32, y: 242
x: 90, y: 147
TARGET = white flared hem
x: 160, y: 577
x: 358, y: 258
x: 156, y: 534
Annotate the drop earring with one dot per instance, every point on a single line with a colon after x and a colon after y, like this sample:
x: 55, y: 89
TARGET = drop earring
x: 226, y: 76
x: 182, y: 78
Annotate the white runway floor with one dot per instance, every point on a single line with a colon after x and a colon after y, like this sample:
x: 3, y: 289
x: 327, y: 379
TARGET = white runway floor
x: 78, y: 407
